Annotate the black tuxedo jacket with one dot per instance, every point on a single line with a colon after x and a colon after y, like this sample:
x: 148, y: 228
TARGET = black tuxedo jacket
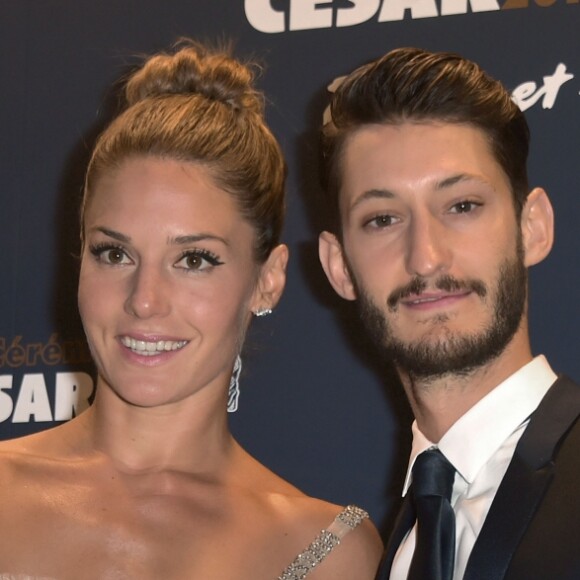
x: 532, y: 530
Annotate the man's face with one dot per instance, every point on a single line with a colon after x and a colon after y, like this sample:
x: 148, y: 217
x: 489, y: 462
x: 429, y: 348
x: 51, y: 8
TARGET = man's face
x: 431, y: 245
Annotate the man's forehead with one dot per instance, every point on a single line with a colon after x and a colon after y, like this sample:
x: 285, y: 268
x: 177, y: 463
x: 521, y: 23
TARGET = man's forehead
x: 386, y: 161
x: 386, y: 146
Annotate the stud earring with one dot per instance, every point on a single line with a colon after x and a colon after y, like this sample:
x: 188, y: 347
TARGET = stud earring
x: 263, y: 312
x: 234, y: 390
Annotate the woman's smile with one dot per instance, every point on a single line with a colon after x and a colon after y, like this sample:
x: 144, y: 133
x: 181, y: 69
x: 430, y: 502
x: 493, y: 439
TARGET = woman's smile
x: 168, y: 277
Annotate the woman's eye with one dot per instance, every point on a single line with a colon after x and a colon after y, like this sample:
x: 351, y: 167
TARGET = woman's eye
x: 113, y: 256
x: 198, y: 260
x: 464, y: 206
x: 110, y: 255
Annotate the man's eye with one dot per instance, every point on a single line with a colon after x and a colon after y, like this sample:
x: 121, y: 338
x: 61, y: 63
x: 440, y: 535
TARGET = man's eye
x: 381, y: 221
x: 465, y: 207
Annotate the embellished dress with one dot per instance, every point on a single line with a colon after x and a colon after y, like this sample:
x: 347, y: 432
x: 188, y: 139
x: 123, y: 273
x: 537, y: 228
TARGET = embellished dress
x: 347, y: 520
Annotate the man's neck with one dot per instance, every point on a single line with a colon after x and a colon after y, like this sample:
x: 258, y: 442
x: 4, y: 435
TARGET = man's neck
x: 439, y: 402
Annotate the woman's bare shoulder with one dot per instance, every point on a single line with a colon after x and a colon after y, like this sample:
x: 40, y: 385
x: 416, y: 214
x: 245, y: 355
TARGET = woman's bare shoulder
x: 306, y: 519
x: 24, y: 471
x: 31, y: 455
x: 21, y: 449
x: 357, y: 557
x: 356, y: 547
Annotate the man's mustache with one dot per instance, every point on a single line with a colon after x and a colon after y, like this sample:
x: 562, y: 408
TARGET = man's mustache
x: 447, y: 283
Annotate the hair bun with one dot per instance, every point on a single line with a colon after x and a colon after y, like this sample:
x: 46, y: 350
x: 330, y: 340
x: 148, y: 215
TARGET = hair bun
x: 193, y: 70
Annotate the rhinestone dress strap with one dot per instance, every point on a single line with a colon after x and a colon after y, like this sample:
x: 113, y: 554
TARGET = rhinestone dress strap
x: 348, y: 519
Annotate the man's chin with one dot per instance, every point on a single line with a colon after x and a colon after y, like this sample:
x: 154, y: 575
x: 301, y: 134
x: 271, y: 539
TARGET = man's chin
x: 441, y: 346
x: 436, y: 356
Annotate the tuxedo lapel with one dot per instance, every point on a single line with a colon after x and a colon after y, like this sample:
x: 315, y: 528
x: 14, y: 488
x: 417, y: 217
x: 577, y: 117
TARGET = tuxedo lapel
x: 513, y: 507
x: 403, y: 523
x: 524, y: 484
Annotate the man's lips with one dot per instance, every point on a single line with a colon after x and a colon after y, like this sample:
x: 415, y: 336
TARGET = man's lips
x: 427, y: 300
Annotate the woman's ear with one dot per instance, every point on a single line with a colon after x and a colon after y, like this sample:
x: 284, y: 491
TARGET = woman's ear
x: 537, y: 225
x: 334, y: 265
x: 271, y: 280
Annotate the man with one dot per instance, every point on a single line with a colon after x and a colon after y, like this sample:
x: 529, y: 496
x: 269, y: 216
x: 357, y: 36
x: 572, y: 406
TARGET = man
x: 433, y: 229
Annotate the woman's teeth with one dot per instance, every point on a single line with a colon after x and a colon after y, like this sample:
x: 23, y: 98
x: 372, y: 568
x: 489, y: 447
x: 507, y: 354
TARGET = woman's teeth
x: 146, y: 348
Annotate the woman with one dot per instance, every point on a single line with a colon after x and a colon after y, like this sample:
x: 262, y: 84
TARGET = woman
x: 182, y: 213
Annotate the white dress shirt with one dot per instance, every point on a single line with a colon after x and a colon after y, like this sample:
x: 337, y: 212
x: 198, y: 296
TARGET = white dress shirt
x: 480, y: 445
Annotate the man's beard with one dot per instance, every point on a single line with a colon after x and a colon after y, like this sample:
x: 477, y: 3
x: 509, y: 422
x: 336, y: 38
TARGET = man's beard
x: 452, y: 352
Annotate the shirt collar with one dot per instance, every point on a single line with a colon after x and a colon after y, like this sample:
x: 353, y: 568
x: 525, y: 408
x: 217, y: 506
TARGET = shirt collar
x: 477, y: 435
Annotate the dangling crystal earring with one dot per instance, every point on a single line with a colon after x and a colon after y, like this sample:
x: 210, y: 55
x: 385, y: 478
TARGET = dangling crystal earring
x: 234, y: 390
x: 263, y: 312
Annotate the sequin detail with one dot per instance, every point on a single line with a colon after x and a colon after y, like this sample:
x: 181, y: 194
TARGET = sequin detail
x: 352, y: 516
x: 323, y: 544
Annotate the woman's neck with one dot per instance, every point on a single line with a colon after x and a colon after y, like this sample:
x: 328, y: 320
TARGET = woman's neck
x: 179, y: 436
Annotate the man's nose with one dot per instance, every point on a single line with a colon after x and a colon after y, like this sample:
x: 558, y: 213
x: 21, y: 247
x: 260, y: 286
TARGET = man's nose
x: 428, y: 251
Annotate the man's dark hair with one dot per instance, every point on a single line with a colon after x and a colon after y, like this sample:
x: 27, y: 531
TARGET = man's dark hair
x: 410, y: 84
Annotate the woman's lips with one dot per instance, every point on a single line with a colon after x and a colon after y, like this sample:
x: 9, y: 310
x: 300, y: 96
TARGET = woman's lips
x: 151, y: 347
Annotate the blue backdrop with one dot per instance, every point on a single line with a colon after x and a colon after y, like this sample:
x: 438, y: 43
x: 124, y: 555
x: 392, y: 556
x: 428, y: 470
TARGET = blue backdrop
x: 315, y: 405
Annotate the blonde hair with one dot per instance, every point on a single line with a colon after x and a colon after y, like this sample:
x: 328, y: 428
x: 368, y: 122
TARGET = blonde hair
x: 200, y: 104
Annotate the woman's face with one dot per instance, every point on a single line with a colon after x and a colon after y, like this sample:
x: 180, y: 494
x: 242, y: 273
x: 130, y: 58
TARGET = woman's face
x: 168, y: 281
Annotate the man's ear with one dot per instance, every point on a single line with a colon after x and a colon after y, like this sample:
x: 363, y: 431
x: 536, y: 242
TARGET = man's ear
x: 334, y: 265
x: 537, y: 225
x: 271, y: 280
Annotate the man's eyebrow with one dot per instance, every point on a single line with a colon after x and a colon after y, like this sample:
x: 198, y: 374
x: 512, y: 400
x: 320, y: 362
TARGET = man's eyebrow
x: 372, y: 194
x: 459, y: 178
x: 380, y: 193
